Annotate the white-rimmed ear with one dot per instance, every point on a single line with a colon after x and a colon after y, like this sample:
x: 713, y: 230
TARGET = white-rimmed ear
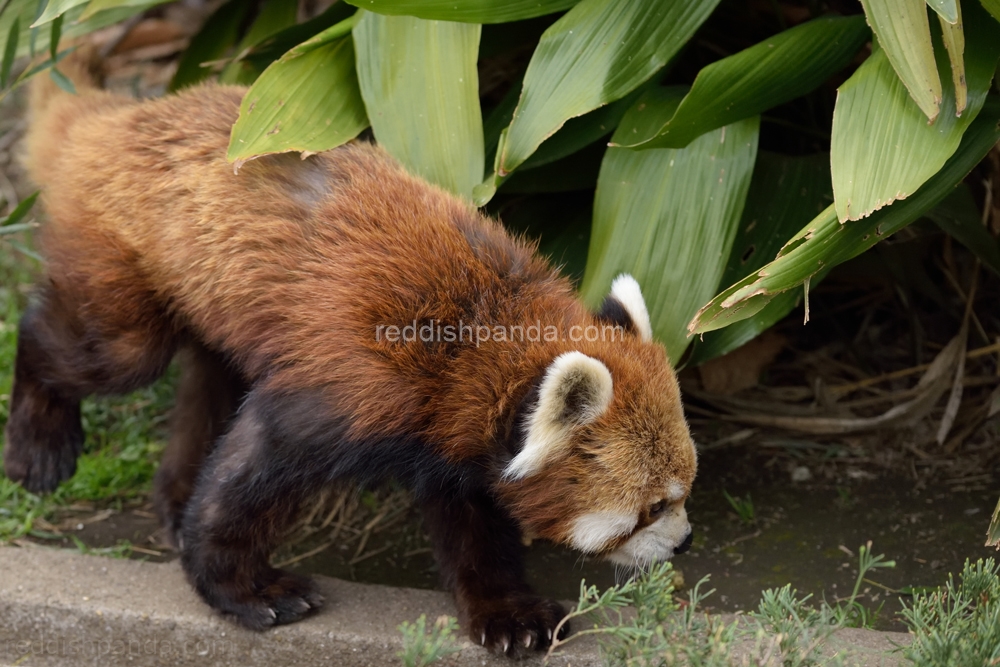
x: 626, y: 307
x: 576, y: 390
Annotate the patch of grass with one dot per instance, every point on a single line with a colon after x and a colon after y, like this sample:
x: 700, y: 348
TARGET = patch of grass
x: 124, y: 434
x: 958, y: 624
x: 657, y: 630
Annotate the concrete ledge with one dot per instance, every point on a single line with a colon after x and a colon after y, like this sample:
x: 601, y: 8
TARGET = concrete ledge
x: 59, y: 608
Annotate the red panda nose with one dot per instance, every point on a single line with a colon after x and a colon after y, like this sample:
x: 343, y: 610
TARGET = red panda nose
x: 686, y: 544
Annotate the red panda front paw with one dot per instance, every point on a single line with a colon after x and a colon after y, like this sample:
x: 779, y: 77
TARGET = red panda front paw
x: 286, y: 599
x: 517, y: 624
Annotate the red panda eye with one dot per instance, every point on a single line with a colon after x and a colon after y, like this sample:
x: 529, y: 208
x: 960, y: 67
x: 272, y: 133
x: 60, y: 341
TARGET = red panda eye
x: 657, y: 508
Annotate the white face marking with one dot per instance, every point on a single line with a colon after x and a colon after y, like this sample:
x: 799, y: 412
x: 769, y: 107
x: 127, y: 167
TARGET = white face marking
x: 656, y: 542
x: 626, y: 290
x: 548, y: 429
x: 675, y: 491
x: 592, y: 531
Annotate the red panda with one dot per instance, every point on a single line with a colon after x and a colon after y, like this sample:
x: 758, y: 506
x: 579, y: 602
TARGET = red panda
x: 284, y: 288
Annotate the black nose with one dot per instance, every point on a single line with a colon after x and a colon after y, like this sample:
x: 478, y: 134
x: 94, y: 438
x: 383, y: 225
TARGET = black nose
x: 686, y: 544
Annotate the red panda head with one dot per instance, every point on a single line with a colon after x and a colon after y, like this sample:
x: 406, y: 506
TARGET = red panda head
x: 606, y: 460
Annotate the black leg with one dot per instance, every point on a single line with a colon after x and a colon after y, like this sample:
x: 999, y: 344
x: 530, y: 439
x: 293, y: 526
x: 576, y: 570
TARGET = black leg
x: 249, y: 491
x: 479, y: 550
x: 63, y: 355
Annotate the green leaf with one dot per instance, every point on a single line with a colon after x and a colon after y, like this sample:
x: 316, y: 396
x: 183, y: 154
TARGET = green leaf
x: 882, y: 148
x: 308, y: 103
x: 54, y: 36
x: 9, y: 51
x: 993, y: 7
x: 785, y: 193
x: 95, y: 7
x: 904, y: 32
x: 466, y: 11
x: 786, y: 66
x: 668, y: 217
x: 825, y: 242
x: 210, y: 43
x: 959, y: 217
x: 62, y: 81
x: 953, y: 35
x: 421, y: 89
x: 597, y: 53
x: 948, y: 10
x: 56, y: 8
x: 20, y: 210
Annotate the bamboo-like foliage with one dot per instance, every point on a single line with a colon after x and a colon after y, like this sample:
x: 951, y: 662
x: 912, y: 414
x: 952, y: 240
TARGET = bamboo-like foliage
x: 722, y: 239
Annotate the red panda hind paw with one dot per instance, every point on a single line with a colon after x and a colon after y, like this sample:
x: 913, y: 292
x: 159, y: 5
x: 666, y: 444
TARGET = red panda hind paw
x: 518, y: 625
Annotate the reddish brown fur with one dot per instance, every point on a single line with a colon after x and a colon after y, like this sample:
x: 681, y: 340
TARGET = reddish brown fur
x: 285, y: 271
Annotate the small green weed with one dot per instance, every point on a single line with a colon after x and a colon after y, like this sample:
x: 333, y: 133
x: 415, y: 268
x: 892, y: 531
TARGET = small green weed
x: 743, y: 508
x: 423, y: 645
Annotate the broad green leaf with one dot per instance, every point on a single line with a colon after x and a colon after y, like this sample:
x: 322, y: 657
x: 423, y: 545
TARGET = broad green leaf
x: 597, y: 53
x: 953, y: 35
x: 777, y: 70
x: 466, y: 11
x: 56, y: 8
x: 421, y: 89
x: 274, y: 16
x: 948, y: 10
x: 882, y: 148
x: 959, y: 217
x: 668, y: 217
x: 307, y: 103
x: 785, y: 193
x: 825, y: 242
x: 904, y: 32
x: 993, y: 7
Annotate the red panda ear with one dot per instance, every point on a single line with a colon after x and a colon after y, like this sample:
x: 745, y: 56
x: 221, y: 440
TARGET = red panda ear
x: 625, y: 307
x: 576, y: 390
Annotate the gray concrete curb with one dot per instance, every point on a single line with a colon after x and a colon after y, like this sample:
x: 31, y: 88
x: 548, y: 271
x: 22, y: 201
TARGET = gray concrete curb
x: 59, y: 608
